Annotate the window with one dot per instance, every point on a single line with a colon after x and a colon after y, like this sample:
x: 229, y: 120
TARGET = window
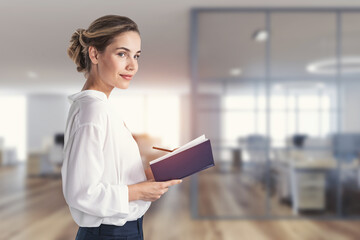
x: 290, y: 113
x: 156, y: 115
x: 13, y: 123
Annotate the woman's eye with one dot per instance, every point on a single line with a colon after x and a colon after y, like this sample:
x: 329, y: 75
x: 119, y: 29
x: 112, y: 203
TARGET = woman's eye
x: 136, y: 56
x: 122, y: 54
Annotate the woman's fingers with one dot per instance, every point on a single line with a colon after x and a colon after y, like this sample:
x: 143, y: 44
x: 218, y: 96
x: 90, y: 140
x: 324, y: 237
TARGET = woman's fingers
x: 152, y: 191
x: 172, y: 182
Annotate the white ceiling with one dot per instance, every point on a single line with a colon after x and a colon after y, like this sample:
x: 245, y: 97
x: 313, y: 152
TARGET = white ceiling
x: 35, y: 36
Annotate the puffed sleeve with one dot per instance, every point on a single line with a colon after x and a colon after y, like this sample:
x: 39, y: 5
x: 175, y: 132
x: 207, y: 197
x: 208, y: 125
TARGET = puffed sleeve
x: 82, y: 186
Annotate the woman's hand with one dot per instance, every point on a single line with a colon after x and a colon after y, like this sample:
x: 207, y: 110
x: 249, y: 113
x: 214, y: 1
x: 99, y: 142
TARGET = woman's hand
x: 150, y: 190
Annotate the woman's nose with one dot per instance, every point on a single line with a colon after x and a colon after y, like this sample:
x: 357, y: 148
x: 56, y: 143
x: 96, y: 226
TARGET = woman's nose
x: 131, y: 66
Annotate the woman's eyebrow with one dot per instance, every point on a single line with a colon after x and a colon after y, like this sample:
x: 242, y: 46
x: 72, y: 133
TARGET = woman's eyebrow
x: 126, y: 49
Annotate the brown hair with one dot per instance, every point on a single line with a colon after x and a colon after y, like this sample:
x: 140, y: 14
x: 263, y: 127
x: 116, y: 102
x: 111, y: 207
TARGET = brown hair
x: 99, y: 34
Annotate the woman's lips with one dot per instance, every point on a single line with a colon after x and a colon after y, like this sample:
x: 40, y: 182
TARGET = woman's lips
x: 127, y: 77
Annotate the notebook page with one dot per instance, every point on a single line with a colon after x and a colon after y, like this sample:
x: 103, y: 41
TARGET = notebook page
x: 188, y: 145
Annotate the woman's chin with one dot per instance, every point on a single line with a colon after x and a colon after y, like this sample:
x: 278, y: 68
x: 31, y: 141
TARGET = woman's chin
x: 123, y: 85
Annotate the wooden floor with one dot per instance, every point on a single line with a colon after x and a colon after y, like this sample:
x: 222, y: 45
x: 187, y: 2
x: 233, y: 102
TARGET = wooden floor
x: 234, y: 194
x: 33, y: 208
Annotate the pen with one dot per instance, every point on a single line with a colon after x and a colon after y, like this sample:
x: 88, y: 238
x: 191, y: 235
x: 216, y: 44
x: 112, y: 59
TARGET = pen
x: 163, y: 149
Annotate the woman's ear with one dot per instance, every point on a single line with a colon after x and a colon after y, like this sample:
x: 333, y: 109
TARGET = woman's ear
x: 93, y: 54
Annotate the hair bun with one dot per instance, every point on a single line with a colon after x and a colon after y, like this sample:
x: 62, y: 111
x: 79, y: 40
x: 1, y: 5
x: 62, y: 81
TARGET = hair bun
x: 76, y: 49
x: 80, y: 32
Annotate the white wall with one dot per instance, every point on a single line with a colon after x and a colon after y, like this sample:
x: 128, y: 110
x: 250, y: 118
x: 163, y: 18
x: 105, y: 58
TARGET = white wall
x: 46, y: 116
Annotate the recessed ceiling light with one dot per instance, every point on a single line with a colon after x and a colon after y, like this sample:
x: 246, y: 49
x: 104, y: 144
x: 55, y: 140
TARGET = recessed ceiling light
x: 235, y: 72
x: 260, y: 36
x: 329, y: 66
x: 32, y: 75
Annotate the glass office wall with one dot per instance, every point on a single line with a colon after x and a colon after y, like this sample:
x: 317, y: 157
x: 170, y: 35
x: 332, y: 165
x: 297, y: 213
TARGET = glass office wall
x: 348, y: 146
x: 231, y: 73
x: 302, y: 112
x: 279, y: 110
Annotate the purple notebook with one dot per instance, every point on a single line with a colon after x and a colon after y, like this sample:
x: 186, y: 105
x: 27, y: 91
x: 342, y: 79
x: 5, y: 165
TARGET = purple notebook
x: 185, y: 163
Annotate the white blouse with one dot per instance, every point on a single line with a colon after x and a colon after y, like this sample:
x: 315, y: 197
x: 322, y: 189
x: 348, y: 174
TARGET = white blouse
x: 101, y: 158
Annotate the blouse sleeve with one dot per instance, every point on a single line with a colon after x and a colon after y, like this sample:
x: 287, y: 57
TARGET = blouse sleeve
x: 83, y: 189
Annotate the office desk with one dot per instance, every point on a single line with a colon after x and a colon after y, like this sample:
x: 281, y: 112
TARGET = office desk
x: 304, y: 183
x: 308, y: 185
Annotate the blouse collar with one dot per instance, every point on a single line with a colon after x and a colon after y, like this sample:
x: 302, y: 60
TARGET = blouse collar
x: 95, y: 93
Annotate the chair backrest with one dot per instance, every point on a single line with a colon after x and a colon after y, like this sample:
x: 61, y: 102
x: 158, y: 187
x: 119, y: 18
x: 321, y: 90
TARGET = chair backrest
x: 298, y: 140
x: 346, y: 145
x: 256, y: 146
x: 59, y: 139
x: 256, y: 141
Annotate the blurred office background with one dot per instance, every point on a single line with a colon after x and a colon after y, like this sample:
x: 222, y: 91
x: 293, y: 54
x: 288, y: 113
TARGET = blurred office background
x: 274, y: 85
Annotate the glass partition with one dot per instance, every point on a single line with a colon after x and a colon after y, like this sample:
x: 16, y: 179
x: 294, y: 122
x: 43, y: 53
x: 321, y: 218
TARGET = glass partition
x: 280, y: 110
x: 231, y: 62
x: 348, y: 142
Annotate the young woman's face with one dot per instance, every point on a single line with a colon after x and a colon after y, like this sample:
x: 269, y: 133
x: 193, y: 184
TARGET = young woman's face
x: 118, y: 64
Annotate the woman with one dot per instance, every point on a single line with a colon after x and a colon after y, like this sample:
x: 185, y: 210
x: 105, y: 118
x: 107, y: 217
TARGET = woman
x: 104, y: 182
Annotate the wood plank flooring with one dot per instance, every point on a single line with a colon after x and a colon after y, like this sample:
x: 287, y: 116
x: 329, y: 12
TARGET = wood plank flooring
x: 33, y: 208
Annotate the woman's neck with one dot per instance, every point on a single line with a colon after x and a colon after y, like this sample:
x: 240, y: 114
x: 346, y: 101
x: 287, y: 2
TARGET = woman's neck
x: 93, y: 83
